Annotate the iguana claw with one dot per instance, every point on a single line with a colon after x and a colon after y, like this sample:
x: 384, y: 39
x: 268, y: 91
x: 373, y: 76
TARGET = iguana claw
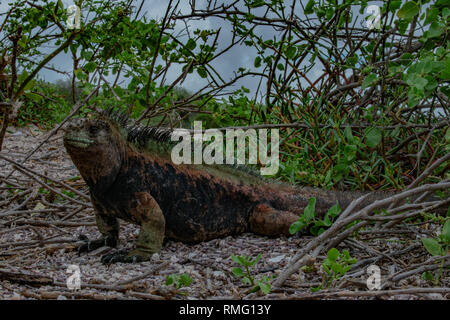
x: 91, y: 245
x: 121, y: 256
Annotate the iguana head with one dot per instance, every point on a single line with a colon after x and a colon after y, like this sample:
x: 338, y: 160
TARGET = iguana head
x: 95, y: 148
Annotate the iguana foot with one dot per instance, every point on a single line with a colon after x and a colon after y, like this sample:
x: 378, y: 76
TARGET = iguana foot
x: 91, y: 245
x: 125, y: 256
x: 267, y: 221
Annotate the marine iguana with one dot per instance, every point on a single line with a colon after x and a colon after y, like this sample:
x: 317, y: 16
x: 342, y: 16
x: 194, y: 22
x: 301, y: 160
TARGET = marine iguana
x: 131, y: 177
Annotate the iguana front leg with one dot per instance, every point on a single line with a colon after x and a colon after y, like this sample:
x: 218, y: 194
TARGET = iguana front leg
x: 146, y: 212
x: 108, y: 227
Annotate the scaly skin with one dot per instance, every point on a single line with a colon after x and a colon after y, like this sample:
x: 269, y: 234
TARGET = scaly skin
x: 188, y: 203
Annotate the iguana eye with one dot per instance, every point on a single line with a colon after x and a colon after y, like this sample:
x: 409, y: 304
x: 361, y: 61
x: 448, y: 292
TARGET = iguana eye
x: 93, y: 129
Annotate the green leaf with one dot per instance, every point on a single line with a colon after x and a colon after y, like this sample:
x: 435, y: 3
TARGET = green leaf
x: 68, y: 193
x: 191, y: 44
x: 447, y: 136
x: 309, y: 7
x: 342, y: 168
x: 369, y: 80
x: 352, y: 60
x: 22, y: 76
x: 204, y: 35
x: 337, y: 268
x: 436, y: 29
x: 445, y: 72
x: 315, y: 289
x: 427, y: 275
x: 402, y: 26
x: 327, y: 221
x: 326, y: 268
x: 169, y: 280
x: 349, y: 136
x: 346, y: 254
x: 442, y: 3
x: 185, y: 280
x: 446, y: 12
x: 414, y: 97
x: 408, y: 11
x: 86, y: 54
x: 238, y: 259
x: 350, y: 153
x: 310, y: 210
x: 331, y: 214
x: 257, y: 62
x: 333, y: 254
x: 431, y: 84
x: 415, y: 80
x: 254, y: 289
x: 33, y: 96
x: 373, y: 137
x: 29, y: 85
x: 296, y: 226
x: 244, y: 261
x: 446, y: 231
x: 432, y: 14
x: 258, y: 257
x: 202, y: 72
x: 257, y: 3
x: 238, y: 272
x: 80, y: 75
x: 290, y: 52
x: 432, y: 246
x: 265, y: 287
x: 90, y: 67
x: 317, y: 229
x: 395, y: 5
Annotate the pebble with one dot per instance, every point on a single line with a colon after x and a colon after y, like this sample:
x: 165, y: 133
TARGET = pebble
x: 155, y: 257
x: 219, y: 274
x: 276, y: 259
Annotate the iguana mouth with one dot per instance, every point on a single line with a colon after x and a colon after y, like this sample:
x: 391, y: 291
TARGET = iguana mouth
x: 78, y: 142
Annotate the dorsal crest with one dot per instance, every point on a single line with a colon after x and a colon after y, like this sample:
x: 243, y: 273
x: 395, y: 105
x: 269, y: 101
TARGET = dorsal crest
x: 136, y: 133
x: 147, y: 138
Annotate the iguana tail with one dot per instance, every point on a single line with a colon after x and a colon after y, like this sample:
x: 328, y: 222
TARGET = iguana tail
x: 269, y: 221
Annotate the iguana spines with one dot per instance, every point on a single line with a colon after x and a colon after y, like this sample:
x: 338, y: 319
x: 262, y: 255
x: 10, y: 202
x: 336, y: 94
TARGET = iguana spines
x: 157, y: 139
